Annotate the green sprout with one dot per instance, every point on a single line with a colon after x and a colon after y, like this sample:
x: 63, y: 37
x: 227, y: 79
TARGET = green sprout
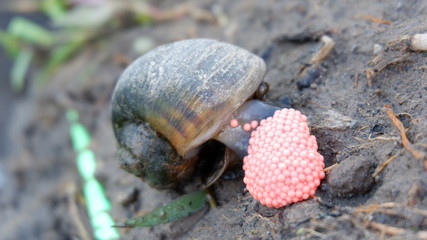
x: 174, y: 210
x: 74, y: 27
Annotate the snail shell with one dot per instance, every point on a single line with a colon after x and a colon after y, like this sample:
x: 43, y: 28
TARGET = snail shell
x: 176, y: 97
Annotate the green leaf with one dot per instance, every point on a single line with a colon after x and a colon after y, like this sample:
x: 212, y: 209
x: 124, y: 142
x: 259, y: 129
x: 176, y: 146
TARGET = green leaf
x: 54, y: 8
x: 144, y: 18
x: 30, y: 32
x: 88, y: 17
x: 178, y: 208
x: 20, y: 69
x: 62, y: 53
x: 10, y: 43
x: 56, y: 58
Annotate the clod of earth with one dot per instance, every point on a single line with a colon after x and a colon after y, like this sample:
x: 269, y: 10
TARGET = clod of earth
x: 352, y: 178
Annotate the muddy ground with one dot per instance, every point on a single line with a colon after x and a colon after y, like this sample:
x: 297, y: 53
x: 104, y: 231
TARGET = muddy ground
x: 39, y: 184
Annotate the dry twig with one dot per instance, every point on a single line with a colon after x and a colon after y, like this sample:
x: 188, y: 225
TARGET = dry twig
x: 416, y: 42
x: 380, y: 64
x: 324, y: 51
x: 328, y: 169
x: 383, y: 165
x: 385, y: 228
x: 387, y: 209
x: 405, y: 142
x: 74, y: 213
x: 376, y: 206
x: 356, y: 80
x: 376, y: 20
x: 415, y: 194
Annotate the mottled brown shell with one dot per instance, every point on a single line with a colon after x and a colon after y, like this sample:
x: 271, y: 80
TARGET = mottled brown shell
x: 173, y: 99
x: 185, y: 90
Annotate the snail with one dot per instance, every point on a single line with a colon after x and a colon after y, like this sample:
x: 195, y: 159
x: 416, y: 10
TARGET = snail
x: 175, y: 98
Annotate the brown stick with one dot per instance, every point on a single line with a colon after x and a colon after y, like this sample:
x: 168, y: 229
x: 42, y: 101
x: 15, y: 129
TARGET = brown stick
x: 375, y: 206
x: 386, y: 228
x: 324, y: 51
x: 328, y: 169
x: 405, y: 142
x: 376, y: 20
x: 382, y: 166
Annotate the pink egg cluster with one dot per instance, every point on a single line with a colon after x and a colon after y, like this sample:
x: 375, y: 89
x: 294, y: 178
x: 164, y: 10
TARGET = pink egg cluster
x: 283, y: 165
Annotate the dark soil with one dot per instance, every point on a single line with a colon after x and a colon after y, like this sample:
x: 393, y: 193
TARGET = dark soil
x: 38, y: 178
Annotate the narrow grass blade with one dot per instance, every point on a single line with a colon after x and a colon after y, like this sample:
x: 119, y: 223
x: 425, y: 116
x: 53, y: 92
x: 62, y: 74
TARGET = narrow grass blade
x: 9, y: 43
x: 20, y: 69
x: 54, y: 8
x: 178, y: 208
x: 30, y: 32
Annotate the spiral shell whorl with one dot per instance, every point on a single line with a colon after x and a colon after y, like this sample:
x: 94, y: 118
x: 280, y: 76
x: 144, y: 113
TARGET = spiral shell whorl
x: 186, y: 89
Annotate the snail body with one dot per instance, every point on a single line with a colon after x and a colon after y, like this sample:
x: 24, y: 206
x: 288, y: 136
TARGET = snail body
x: 171, y: 100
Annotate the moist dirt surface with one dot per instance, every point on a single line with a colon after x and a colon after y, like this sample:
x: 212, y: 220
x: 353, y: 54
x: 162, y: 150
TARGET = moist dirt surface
x: 344, y: 98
